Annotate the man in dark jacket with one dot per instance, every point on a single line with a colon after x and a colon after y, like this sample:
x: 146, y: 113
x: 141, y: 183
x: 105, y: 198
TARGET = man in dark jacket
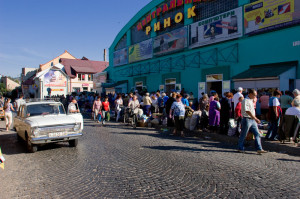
x: 168, y: 108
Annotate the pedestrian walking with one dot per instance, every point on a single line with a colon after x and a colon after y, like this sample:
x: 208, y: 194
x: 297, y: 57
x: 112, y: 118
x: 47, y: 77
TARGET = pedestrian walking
x: 19, y: 102
x: 97, y: 109
x: 178, y: 111
x: 249, y: 123
x: 147, y: 104
x: 118, y: 106
x: 275, y: 113
x: 105, y: 110
x: 8, y: 108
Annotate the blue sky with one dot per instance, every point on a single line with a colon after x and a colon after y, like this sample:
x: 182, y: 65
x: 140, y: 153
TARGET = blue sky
x: 33, y: 32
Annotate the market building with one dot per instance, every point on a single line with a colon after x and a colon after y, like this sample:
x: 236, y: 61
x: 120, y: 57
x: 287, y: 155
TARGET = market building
x: 204, y: 45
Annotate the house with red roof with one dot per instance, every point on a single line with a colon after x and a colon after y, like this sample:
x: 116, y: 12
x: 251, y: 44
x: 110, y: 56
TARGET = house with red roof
x: 81, y: 71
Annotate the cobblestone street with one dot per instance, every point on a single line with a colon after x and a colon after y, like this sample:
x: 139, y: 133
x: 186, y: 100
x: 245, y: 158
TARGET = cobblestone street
x: 117, y: 161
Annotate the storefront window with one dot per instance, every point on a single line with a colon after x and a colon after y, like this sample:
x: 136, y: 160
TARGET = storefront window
x: 85, y: 88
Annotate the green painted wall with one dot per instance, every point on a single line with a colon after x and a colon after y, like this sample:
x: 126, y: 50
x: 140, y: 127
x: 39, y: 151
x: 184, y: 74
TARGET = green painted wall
x: 272, y: 47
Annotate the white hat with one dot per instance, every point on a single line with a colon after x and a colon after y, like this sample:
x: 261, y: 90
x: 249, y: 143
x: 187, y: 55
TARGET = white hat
x: 240, y: 89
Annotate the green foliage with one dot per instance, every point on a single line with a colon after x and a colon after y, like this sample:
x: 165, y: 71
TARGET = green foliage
x: 2, y: 88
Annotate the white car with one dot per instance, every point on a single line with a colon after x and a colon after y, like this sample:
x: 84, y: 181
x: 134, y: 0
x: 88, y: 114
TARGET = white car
x: 45, y: 122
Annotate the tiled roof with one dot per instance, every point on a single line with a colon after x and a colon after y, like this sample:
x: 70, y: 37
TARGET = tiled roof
x: 73, y: 66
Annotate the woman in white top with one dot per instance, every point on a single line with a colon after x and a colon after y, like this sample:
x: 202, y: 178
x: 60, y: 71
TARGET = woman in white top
x: 8, y: 114
x: 154, y: 104
x: 119, y: 105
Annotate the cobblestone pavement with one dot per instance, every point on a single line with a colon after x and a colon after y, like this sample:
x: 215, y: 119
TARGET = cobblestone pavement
x: 117, y: 161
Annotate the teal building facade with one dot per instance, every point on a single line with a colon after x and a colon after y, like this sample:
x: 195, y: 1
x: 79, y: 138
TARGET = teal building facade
x: 208, y: 45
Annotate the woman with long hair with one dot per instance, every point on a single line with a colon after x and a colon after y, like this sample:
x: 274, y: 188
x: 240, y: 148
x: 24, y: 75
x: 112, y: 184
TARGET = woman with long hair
x: 8, y: 107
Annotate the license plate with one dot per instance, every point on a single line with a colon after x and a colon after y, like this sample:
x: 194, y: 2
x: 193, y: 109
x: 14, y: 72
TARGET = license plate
x: 59, y: 134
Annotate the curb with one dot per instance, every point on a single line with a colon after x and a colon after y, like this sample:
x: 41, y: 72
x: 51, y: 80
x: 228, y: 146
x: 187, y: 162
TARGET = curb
x: 271, y: 146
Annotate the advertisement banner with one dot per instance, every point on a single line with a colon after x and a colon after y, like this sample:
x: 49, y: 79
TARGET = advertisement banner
x: 222, y: 27
x: 141, y: 51
x: 99, y: 78
x: 265, y: 15
x: 121, y: 57
x: 170, y: 42
x: 55, y: 78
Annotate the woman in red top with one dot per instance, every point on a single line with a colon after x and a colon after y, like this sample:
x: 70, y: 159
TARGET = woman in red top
x: 238, y: 115
x: 105, y: 110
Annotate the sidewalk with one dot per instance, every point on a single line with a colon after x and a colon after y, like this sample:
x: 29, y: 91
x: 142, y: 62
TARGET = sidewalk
x: 271, y: 146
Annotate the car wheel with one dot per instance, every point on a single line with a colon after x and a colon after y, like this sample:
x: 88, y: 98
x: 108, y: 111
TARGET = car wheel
x: 32, y: 148
x: 73, y: 143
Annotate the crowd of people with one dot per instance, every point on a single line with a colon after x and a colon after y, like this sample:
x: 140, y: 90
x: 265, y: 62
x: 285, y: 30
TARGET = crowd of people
x: 182, y: 110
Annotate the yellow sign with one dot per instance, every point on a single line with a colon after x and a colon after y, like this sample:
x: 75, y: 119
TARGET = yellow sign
x: 1, y: 160
x: 267, y: 13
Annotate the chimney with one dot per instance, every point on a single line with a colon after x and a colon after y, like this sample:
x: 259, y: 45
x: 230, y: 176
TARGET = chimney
x: 105, y: 55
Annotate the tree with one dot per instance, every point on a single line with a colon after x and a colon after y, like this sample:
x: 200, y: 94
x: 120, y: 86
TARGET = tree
x: 2, y: 88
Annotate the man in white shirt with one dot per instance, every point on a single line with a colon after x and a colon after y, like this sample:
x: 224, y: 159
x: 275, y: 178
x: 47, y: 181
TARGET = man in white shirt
x: 135, y: 106
x: 295, y: 110
x: 249, y: 123
x: 72, y: 106
x: 19, y: 102
x: 237, y: 96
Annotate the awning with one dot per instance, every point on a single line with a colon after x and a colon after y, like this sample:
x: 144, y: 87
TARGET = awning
x: 112, y: 85
x: 265, y: 72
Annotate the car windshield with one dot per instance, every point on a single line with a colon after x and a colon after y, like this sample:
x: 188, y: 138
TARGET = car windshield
x: 44, y: 109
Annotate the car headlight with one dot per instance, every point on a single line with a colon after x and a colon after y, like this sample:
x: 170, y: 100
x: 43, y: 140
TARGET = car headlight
x: 35, y: 131
x: 77, y: 127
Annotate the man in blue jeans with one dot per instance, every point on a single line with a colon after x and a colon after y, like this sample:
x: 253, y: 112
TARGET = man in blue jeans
x: 249, y: 123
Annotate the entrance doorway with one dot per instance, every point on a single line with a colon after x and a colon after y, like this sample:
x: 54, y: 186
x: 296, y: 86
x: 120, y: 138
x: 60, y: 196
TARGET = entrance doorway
x: 214, y: 82
x: 170, y: 85
x: 216, y: 86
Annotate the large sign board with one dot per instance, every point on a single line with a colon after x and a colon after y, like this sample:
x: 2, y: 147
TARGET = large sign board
x: 55, y: 78
x: 141, y: 51
x: 170, y: 42
x: 266, y: 15
x: 121, y: 57
x: 222, y: 27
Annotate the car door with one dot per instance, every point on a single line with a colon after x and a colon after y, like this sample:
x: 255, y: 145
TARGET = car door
x: 22, y: 124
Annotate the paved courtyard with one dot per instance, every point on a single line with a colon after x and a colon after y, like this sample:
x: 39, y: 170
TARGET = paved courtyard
x: 117, y: 161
